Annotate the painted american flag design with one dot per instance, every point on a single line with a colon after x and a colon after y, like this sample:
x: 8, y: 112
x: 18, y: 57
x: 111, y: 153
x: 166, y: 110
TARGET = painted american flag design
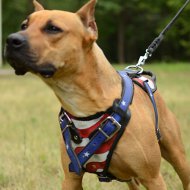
x: 96, y: 162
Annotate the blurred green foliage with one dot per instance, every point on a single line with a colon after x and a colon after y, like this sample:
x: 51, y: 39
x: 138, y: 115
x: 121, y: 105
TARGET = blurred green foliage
x: 126, y: 27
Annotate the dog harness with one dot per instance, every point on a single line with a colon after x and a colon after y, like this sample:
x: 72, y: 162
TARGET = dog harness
x: 90, y: 141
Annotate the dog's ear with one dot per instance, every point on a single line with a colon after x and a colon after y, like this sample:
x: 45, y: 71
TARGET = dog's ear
x: 86, y: 14
x: 37, y: 6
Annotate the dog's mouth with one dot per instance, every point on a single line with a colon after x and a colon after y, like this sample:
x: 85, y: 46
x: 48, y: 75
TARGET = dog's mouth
x: 20, y: 61
x: 24, y: 62
x: 46, y: 70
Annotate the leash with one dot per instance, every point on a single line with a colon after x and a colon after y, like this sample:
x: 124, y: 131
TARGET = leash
x: 137, y: 69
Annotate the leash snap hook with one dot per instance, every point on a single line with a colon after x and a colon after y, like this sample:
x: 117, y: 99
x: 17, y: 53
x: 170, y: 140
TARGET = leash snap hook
x: 137, y: 69
x: 143, y: 59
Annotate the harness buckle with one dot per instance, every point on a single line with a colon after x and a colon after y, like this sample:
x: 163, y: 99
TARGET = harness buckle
x: 64, y: 114
x: 61, y: 119
x: 67, y: 127
x: 114, y: 122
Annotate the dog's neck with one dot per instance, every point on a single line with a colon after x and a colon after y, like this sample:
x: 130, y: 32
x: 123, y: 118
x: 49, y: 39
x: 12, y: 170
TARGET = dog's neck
x: 91, y: 89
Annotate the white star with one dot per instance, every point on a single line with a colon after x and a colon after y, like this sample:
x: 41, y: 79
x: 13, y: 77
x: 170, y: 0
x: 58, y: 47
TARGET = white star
x: 86, y: 154
x: 67, y: 147
x: 123, y: 103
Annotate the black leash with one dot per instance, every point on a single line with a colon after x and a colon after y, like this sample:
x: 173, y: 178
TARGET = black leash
x: 155, y: 43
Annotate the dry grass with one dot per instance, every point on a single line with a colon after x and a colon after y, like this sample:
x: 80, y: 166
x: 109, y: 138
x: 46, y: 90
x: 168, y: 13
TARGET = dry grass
x: 29, y: 131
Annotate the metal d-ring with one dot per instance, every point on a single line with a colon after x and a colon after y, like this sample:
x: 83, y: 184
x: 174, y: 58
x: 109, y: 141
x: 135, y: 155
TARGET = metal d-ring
x: 135, y: 69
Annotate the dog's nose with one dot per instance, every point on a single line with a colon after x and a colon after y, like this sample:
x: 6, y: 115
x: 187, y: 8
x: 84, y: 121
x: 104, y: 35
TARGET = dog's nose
x: 16, y: 41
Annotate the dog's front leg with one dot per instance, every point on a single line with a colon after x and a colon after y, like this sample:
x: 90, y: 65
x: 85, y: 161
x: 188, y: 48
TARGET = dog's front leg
x: 72, y: 184
x: 71, y: 180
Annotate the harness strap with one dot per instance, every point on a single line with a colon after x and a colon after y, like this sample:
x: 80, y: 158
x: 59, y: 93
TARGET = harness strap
x: 65, y: 124
x: 149, y: 86
x: 151, y: 96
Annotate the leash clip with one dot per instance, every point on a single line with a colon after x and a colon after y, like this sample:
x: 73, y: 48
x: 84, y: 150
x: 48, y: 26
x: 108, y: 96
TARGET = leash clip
x: 114, y: 122
x: 143, y: 59
x: 137, y: 69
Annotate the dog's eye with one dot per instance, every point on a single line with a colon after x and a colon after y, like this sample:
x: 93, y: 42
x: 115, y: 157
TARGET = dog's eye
x: 24, y: 26
x: 51, y: 29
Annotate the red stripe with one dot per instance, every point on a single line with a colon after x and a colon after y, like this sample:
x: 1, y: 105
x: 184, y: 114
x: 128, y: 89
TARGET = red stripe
x: 106, y: 146
x: 84, y: 133
x: 139, y: 81
x: 78, y: 149
x: 94, y: 166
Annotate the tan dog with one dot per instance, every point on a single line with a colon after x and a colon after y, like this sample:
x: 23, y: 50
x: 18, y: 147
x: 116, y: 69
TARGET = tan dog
x: 61, y: 48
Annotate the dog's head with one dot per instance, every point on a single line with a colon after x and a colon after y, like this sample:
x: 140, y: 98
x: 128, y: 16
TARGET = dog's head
x: 51, y: 41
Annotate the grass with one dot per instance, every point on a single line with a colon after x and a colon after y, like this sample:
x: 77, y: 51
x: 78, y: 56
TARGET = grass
x: 30, y: 135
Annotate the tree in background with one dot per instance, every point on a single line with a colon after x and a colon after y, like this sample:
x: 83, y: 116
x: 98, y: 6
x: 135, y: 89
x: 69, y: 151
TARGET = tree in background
x: 134, y: 24
x: 126, y: 27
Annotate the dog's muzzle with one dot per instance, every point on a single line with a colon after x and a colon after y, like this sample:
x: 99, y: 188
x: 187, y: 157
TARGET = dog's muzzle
x: 20, y: 57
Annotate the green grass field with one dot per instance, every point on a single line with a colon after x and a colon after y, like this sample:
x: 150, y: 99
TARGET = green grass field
x: 30, y: 134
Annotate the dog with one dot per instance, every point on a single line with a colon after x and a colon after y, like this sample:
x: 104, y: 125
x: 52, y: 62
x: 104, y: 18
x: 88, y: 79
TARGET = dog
x: 60, y: 47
